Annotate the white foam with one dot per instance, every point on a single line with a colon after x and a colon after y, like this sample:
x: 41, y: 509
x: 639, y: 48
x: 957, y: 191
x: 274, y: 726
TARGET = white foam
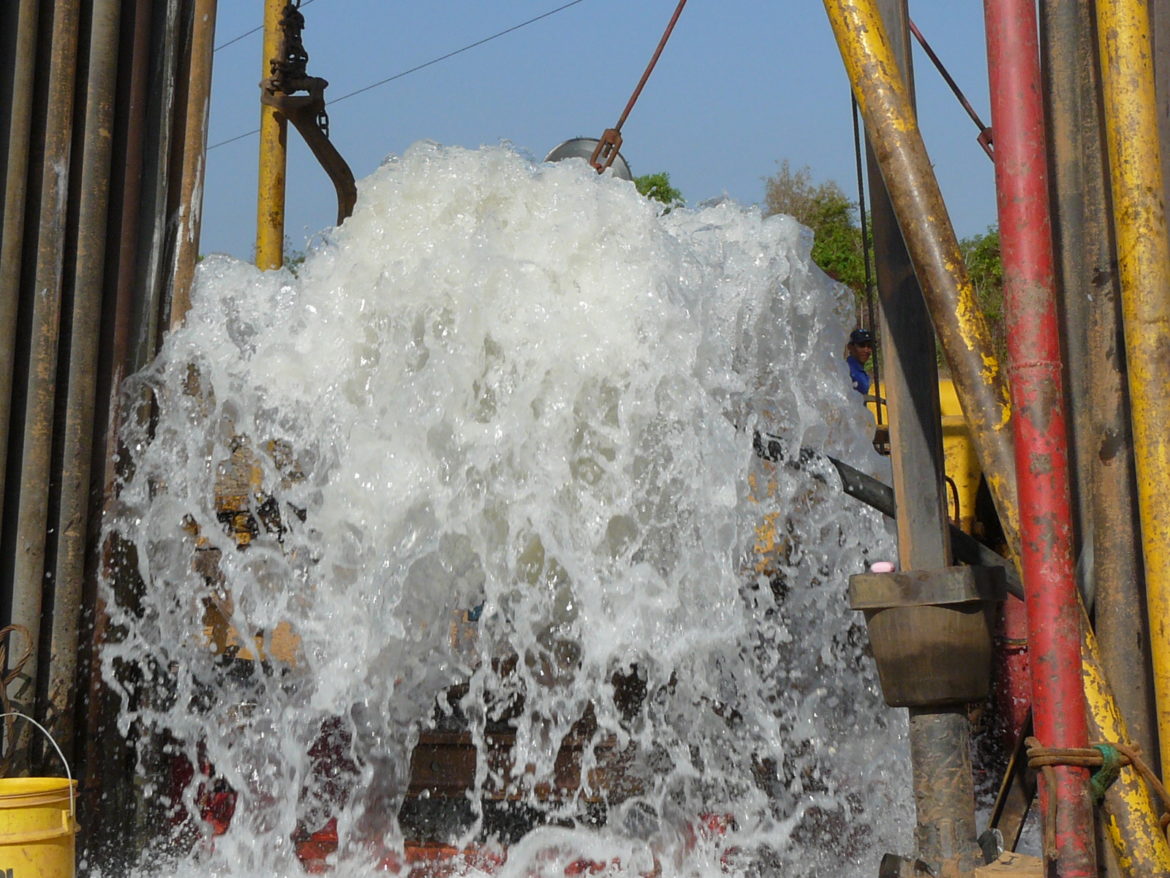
x: 517, y: 385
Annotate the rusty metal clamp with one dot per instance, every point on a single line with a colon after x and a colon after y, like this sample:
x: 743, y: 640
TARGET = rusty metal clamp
x: 307, y: 111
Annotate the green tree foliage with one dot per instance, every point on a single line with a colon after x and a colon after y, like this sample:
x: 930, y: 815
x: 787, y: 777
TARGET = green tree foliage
x: 824, y: 208
x: 837, y: 242
x: 985, y: 269
x: 657, y: 187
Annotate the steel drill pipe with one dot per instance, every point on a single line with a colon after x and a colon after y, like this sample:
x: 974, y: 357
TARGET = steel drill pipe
x: 129, y: 135
x: 1040, y: 430
x: 1095, y: 353
x: 892, y: 128
x: 20, y: 24
x: 1143, y: 256
x: 273, y: 154
x: 72, y: 527
x: 196, y: 91
x: 160, y: 177
x: 28, y: 576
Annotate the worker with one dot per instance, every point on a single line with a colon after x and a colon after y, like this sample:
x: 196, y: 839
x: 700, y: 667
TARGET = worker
x: 857, y: 354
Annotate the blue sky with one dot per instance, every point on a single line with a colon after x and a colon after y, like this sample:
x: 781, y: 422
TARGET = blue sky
x: 741, y: 85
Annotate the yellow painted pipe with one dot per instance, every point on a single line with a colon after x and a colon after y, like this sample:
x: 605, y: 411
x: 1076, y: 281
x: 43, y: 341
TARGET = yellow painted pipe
x: 1143, y: 256
x: 1130, y: 819
x: 273, y: 154
x: 892, y: 128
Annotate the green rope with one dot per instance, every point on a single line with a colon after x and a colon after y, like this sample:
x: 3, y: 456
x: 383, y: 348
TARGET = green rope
x: 1109, y: 771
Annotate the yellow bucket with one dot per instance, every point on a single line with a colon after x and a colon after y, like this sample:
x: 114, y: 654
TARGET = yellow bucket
x: 38, y: 823
x: 37, y: 827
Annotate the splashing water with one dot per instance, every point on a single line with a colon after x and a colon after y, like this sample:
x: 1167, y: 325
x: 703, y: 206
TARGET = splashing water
x: 516, y: 390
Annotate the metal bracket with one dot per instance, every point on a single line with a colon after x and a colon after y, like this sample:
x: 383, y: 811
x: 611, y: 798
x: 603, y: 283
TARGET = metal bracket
x: 305, y: 112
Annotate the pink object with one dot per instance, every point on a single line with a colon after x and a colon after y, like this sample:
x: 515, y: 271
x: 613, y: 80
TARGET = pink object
x: 882, y: 567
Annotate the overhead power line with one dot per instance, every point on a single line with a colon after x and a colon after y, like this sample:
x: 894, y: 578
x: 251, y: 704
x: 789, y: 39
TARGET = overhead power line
x: 417, y: 67
x: 252, y: 31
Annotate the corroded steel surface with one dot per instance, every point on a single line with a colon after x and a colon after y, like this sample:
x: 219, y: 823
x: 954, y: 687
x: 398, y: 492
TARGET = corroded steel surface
x: 1143, y: 256
x: 1131, y: 822
x: 70, y: 522
x: 1038, y: 421
x: 20, y: 42
x: 35, y: 462
x: 893, y: 132
x: 195, y: 92
x: 1098, y: 397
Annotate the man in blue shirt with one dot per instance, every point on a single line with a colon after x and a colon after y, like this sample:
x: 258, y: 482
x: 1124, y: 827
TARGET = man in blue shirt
x: 857, y: 354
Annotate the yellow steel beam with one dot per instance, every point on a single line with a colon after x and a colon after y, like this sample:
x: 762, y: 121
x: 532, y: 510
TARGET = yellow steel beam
x: 1143, y: 256
x: 892, y: 127
x: 273, y: 154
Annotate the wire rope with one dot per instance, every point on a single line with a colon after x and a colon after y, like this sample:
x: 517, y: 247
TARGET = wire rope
x: 419, y: 67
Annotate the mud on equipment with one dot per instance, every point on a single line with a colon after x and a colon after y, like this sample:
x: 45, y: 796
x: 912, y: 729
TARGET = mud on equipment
x: 930, y: 631
x: 38, y: 823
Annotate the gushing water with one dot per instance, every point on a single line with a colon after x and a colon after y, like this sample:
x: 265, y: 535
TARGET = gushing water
x: 486, y: 461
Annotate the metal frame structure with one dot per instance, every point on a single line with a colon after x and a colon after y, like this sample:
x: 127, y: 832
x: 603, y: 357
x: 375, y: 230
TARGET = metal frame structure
x: 103, y: 112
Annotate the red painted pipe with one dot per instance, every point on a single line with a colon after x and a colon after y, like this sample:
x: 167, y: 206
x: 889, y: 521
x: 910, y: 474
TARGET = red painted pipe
x: 1038, y: 419
x: 1013, y: 681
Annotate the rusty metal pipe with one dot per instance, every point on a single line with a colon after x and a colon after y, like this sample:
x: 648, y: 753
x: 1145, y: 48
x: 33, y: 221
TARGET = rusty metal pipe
x: 197, y: 102
x: 1104, y: 446
x: 87, y: 271
x: 893, y: 132
x: 1042, y: 475
x: 37, y: 440
x: 1067, y: 75
x: 128, y: 178
x: 98, y: 761
x: 21, y: 28
x: 944, y: 796
x: 942, y: 776
x: 154, y: 265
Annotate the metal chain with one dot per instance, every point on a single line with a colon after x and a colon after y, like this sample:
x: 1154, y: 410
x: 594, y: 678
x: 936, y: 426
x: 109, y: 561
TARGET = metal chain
x: 290, y: 73
x: 290, y: 69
